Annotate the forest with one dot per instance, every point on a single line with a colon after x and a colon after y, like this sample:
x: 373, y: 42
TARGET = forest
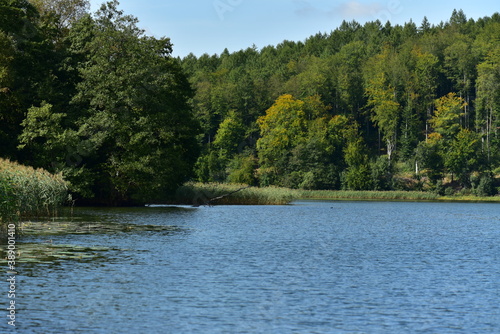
x: 363, y: 107
x: 94, y: 98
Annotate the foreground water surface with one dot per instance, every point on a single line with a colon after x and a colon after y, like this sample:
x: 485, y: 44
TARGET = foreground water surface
x: 310, y: 267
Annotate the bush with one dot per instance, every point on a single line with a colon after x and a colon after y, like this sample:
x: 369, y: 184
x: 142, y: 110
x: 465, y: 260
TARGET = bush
x: 292, y: 180
x: 357, y: 178
x: 449, y: 191
x: 242, y: 170
x: 382, y: 172
x: 485, y: 186
x: 309, y: 181
x: 464, y: 192
x: 439, y: 188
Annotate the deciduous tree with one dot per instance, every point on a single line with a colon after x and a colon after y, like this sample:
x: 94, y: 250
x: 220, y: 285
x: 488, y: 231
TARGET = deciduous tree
x: 447, y: 116
x: 130, y: 110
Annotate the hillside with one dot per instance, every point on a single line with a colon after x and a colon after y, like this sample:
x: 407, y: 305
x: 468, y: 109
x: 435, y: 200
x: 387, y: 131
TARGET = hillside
x: 364, y: 107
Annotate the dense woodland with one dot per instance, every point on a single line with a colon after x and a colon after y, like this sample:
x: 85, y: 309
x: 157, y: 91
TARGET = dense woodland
x: 374, y: 106
x: 93, y: 97
x: 371, y: 106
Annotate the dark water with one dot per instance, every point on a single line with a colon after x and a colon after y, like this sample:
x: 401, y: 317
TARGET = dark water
x: 312, y: 267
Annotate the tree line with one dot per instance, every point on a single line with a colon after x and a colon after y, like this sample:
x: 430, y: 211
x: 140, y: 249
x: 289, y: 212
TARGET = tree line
x: 373, y: 106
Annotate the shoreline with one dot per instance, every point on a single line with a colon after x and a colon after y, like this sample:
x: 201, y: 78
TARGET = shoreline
x: 393, y: 195
x: 443, y: 199
x: 200, y: 194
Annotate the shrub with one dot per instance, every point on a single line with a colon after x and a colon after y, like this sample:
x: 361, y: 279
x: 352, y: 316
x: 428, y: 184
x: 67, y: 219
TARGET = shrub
x: 449, y: 191
x: 242, y: 170
x: 357, y: 178
x: 439, y: 188
x: 382, y: 171
x: 309, y: 181
x: 485, y: 186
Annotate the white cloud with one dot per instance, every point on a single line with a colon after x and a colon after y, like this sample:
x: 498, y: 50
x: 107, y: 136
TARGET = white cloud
x: 355, y: 9
x: 305, y: 8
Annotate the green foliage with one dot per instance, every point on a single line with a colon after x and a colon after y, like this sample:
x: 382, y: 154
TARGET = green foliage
x: 459, y: 63
x: 44, y: 133
x: 301, y: 144
x: 429, y: 157
x: 464, y: 155
x: 446, y: 120
x: 439, y: 188
x: 382, y: 173
x: 369, y: 195
x: 229, y: 135
x: 357, y: 178
x: 242, y: 170
x: 488, y: 100
x: 384, y: 78
x: 382, y: 100
x: 8, y: 202
x: 129, y: 134
x: 483, y: 185
x: 317, y: 160
x: 26, y: 67
x: 66, y: 12
x: 357, y: 175
x: 284, y: 124
x: 94, y: 97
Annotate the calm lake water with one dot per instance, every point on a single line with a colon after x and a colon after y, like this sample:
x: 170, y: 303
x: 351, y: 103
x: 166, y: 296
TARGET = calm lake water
x: 310, y: 267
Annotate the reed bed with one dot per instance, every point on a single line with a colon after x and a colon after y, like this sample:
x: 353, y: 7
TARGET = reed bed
x: 369, y: 195
x: 28, y: 192
x: 470, y: 198
x: 233, y: 194
x: 215, y: 194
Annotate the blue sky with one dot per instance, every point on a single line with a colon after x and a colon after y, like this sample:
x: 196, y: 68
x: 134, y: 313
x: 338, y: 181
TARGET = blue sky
x: 209, y: 26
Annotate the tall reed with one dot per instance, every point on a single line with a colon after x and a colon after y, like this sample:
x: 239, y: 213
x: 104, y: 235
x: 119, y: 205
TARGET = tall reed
x: 29, y: 192
x: 215, y: 194
x: 368, y: 195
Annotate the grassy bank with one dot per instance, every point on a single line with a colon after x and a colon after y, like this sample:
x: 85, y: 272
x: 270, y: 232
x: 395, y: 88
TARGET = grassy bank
x: 224, y: 194
x: 340, y: 195
x: 470, y: 198
x: 369, y: 195
x: 215, y: 194
x: 28, y: 192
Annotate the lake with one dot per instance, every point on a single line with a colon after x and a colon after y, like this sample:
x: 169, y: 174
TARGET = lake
x: 309, y: 267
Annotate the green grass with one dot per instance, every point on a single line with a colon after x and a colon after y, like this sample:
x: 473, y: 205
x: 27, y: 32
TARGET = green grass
x: 203, y: 193
x: 391, y: 196
x: 28, y: 192
x: 470, y: 198
x: 368, y: 195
